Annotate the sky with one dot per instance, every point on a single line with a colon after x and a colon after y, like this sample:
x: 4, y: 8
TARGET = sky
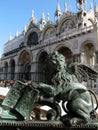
x: 15, y: 14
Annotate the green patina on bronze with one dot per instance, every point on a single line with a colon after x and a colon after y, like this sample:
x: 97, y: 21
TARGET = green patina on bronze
x: 63, y: 84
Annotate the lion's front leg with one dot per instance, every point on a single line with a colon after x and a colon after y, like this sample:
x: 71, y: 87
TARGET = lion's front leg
x: 81, y: 104
x: 79, y: 108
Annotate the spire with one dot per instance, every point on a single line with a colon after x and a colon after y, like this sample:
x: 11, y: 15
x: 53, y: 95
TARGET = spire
x: 43, y: 17
x: 10, y: 37
x: 96, y: 10
x: 33, y: 19
x: 65, y: 7
x: 91, y: 6
x: 81, y: 4
x: 85, y: 4
x: 42, y: 21
x: 24, y: 30
x: 32, y: 13
x: 17, y: 33
x: 48, y: 17
x: 57, y: 13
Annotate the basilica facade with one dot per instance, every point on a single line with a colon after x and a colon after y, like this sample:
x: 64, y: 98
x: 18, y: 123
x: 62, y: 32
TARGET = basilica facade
x: 75, y: 35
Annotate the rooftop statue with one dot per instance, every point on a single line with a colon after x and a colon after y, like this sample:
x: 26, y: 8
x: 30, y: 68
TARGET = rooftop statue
x: 64, y: 84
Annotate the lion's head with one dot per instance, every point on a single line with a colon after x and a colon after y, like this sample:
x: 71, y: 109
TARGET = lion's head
x: 55, y: 63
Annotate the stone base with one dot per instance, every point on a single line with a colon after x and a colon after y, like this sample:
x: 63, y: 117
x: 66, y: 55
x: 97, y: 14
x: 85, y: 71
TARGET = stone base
x: 43, y: 125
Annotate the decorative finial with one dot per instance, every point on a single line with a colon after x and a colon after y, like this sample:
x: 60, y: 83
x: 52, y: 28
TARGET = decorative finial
x: 24, y: 29
x: 10, y: 37
x: 17, y: 33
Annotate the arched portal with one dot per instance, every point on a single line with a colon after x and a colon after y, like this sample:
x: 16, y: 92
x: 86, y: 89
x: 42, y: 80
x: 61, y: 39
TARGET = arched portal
x: 88, y: 57
x: 12, y: 69
x: 25, y: 66
x: 67, y: 53
x: 88, y: 54
x: 41, y: 62
x: 5, y: 70
x: 27, y: 70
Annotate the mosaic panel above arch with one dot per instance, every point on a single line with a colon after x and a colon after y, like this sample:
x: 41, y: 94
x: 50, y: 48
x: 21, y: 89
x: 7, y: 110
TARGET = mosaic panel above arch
x: 66, y: 25
x: 50, y: 31
x: 24, y: 58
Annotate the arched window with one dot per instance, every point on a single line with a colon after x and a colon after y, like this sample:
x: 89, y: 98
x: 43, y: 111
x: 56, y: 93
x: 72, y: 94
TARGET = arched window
x: 32, y: 39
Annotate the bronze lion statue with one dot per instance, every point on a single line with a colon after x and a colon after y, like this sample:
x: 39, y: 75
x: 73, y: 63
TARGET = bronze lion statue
x: 64, y: 84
